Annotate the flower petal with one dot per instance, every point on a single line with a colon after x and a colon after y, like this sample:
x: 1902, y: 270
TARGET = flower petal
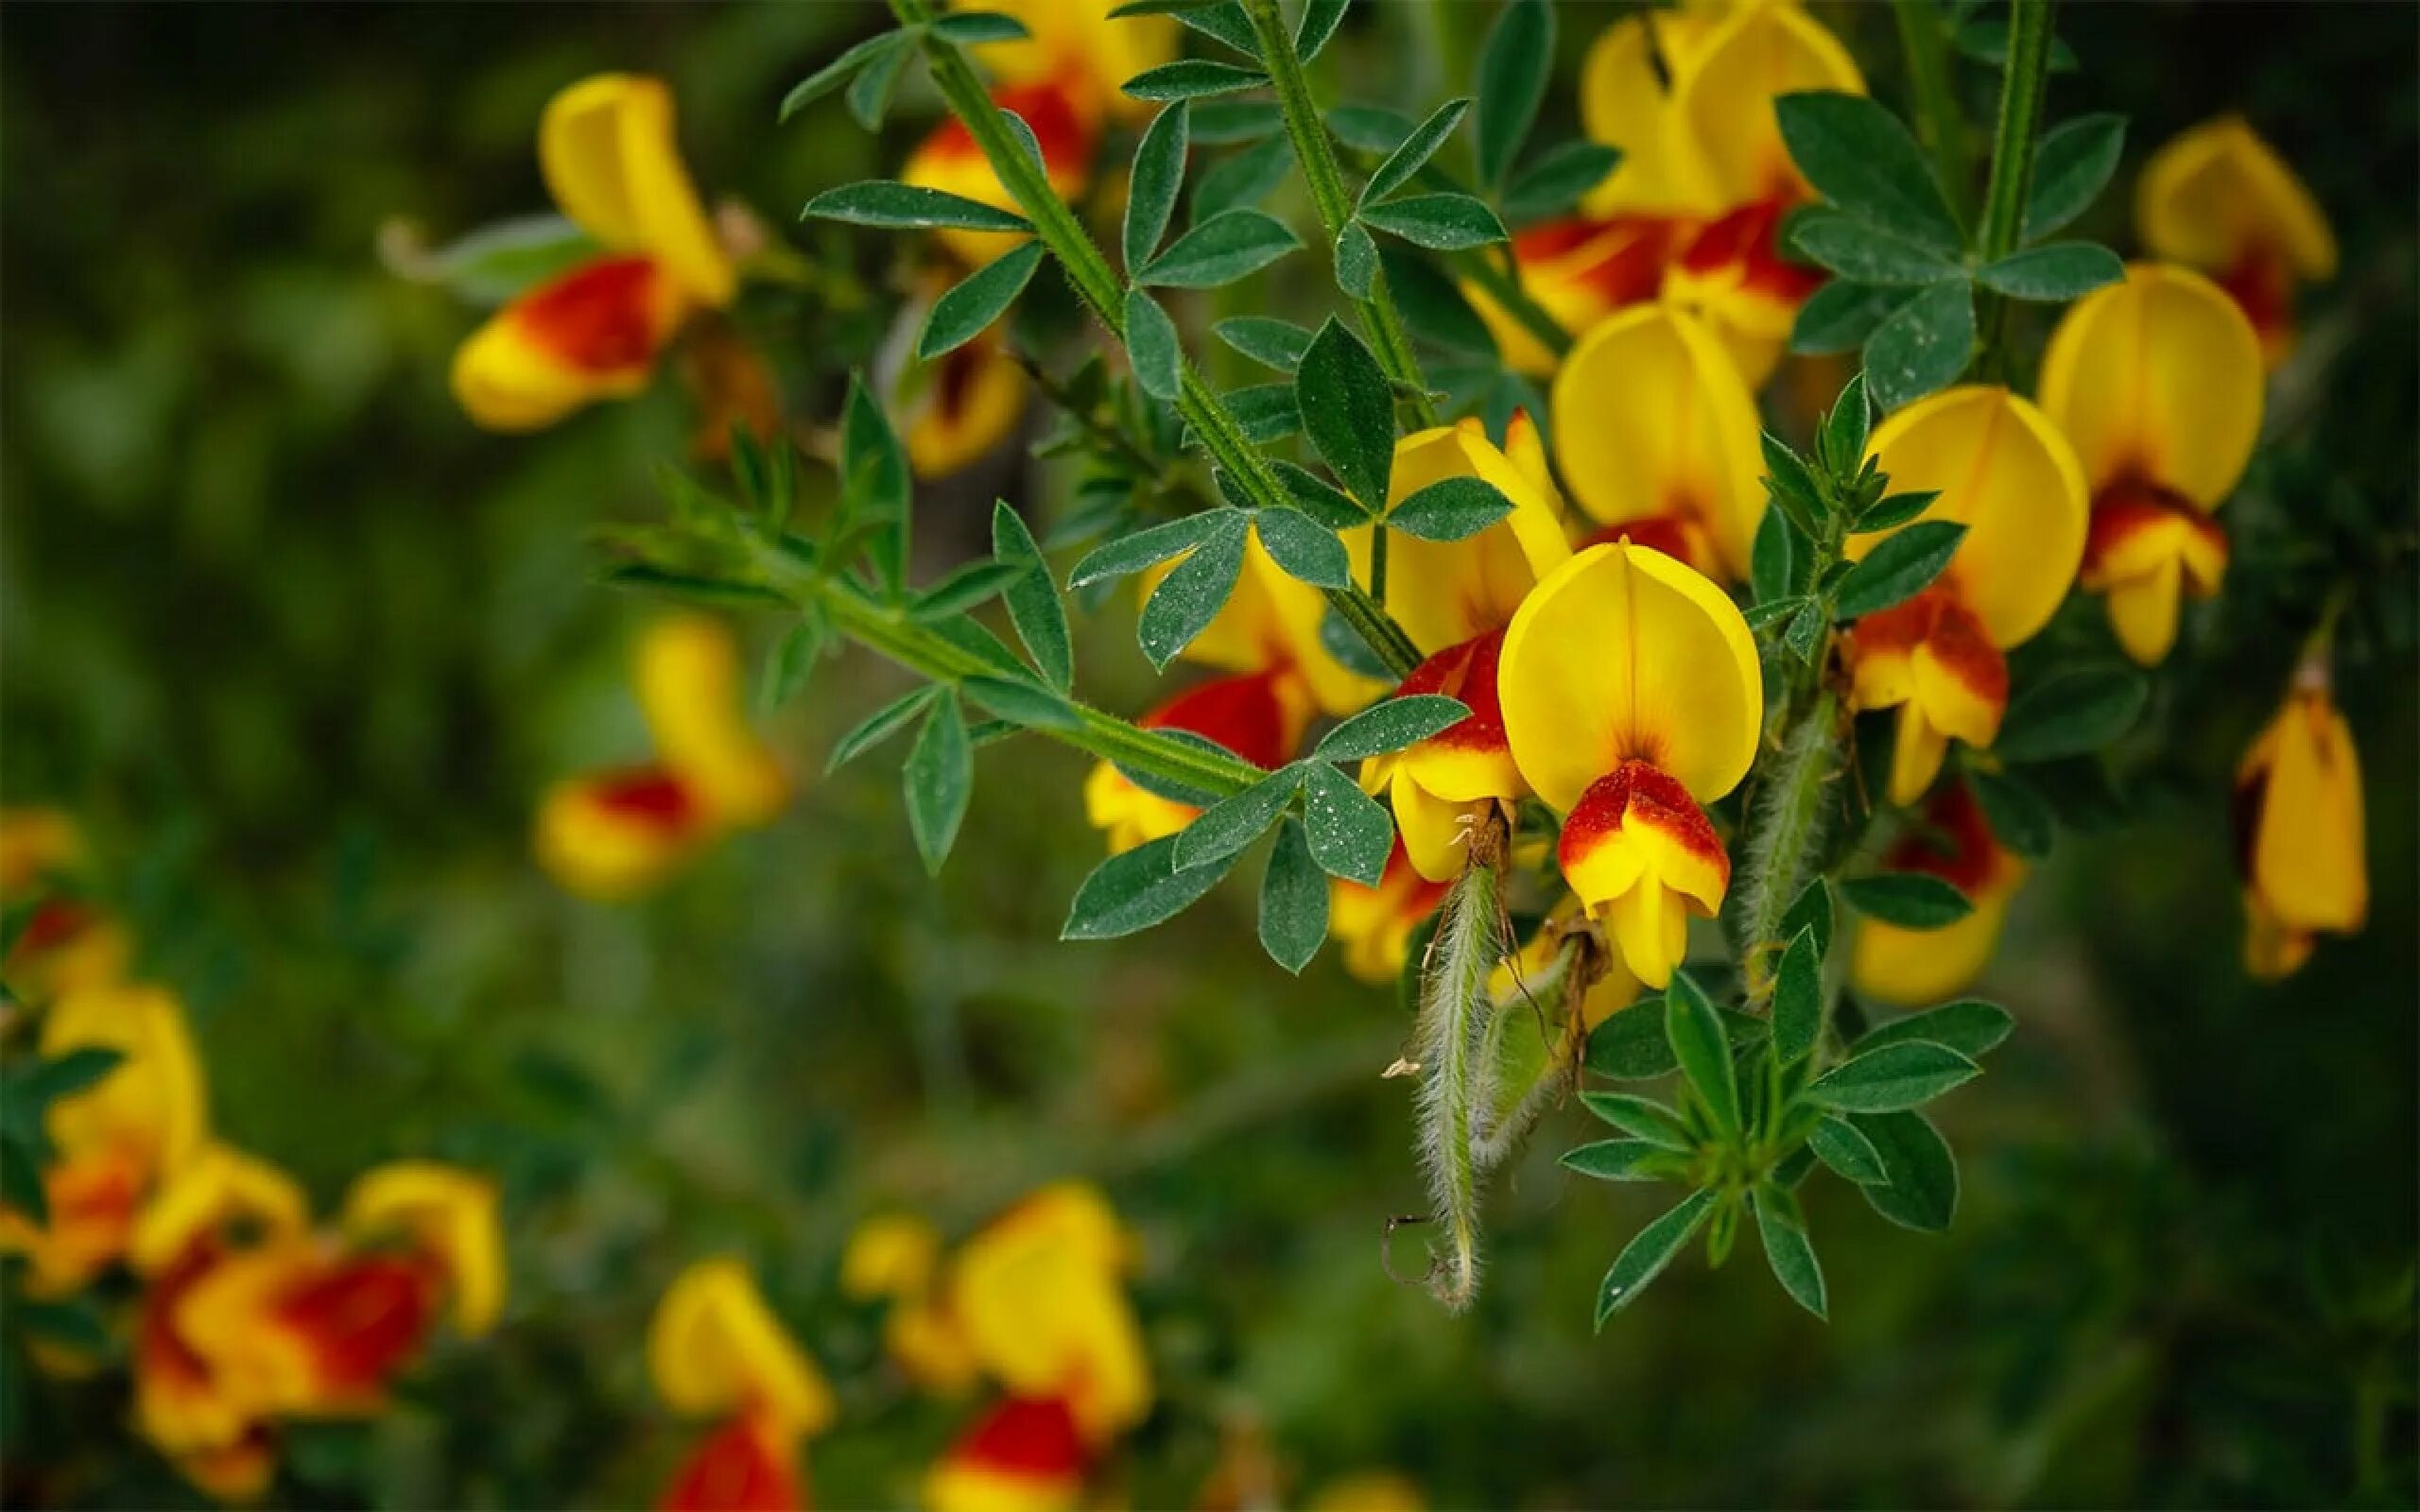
x: 1624, y: 103
x: 607, y: 147
x: 960, y: 407
x: 450, y: 1214
x: 1443, y: 592
x: 1726, y: 97
x: 1642, y: 856
x: 713, y: 1348
x: 2218, y: 195
x: 951, y: 161
x: 1578, y: 270
x: 591, y: 334
x: 2308, y: 865
x: 617, y: 834
x: 1081, y: 48
x: 689, y: 686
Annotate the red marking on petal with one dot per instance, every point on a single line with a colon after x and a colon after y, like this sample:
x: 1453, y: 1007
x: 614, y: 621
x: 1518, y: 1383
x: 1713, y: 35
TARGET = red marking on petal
x: 1948, y: 630
x: 649, y: 795
x: 160, y: 1350
x: 599, y: 318
x: 1623, y: 259
x: 2263, y: 287
x: 742, y: 1466
x: 1033, y: 1436
x: 1467, y: 672
x: 1415, y: 897
x: 2132, y: 505
x: 1675, y: 534
x: 1049, y: 106
x: 1747, y: 241
x: 54, y: 923
x: 1642, y: 793
x: 364, y: 1318
x: 1956, y: 843
x: 1248, y: 713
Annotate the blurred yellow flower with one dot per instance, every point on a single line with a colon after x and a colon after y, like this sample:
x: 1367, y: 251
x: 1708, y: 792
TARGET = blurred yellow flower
x: 2298, y: 823
x: 2218, y: 199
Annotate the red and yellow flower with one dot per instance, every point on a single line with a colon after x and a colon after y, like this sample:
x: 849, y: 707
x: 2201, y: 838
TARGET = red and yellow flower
x: 68, y: 944
x: 716, y: 1350
x: 1911, y: 967
x: 607, y: 150
x: 117, y: 1141
x: 2157, y: 381
x: 1657, y: 435
x: 1579, y: 270
x: 896, y: 1259
x: 617, y: 833
x: 2298, y: 830
x: 1375, y: 924
x: 1631, y: 695
x: 2004, y: 470
x: 1454, y: 600
x: 2218, y: 199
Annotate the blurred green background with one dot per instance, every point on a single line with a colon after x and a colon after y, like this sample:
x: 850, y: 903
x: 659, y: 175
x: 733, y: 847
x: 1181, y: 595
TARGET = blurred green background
x: 301, y: 647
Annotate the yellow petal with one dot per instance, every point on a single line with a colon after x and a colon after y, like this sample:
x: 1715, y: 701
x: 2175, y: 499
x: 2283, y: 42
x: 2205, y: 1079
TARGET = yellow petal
x: 950, y: 160
x: 2218, y: 195
x: 606, y: 146
x: 1375, y: 924
x: 153, y: 1101
x: 1625, y: 104
x: 1642, y: 856
x: 591, y: 334
x: 1917, y: 749
x: 2309, y: 853
x: 1038, y: 1293
x: 1434, y: 830
x: 2143, y: 612
x: 961, y: 406
x: 1445, y: 592
x: 689, y: 685
x: 2004, y: 472
x: 1273, y: 621
x: 1625, y: 653
x: 1652, y: 927
x: 618, y: 835
x: 1726, y: 98
x: 1915, y: 967
x: 449, y: 1213
x: 2157, y: 380
x: 221, y: 1186
x: 1078, y: 42
x: 714, y: 1348
x: 894, y: 1254
x: 1652, y: 418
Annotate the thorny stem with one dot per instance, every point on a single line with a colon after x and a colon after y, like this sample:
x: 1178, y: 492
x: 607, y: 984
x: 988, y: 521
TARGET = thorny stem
x: 1326, y: 181
x: 1222, y: 435
x: 1925, y: 40
x: 2022, y: 84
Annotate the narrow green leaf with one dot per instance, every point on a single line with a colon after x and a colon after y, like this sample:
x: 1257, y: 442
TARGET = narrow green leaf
x: 869, y: 93
x: 1222, y: 21
x: 2071, y: 712
x: 1242, y: 180
x: 909, y: 207
x: 1906, y: 1073
x: 1632, y: 1045
x: 1414, y: 153
x: 1191, y: 79
x: 793, y: 658
x: 1514, y: 66
x: 1922, y: 1187
x: 1850, y: 1154
x: 1866, y: 253
x: 1232, y: 245
x: 1230, y: 824
x: 1294, y: 901
x: 1315, y: 496
x: 1305, y: 551
x: 874, y: 485
x: 1266, y: 414
x: 1032, y: 598
x: 1021, y: 703
x: 1390, y: 725
x: 1348, y: 411
x: 1442, y: 222
x: 1641, y: 1119
x: 1900, y: 566
x: 1556, y: 180
x: 1922, y: 346
x: 972, y: 584
x: 1846, y: 426
x: 2054, y: 273
x: 1644, y: 1257
x: 839, y: 70
x: 939, y: 776
x: 1912, y: 899
x: 1356, y: 261
x: 1349, y: 831
x: 881, y: 725
x: 1188, y: 598
x: 1971, y: 1026
x: 1774, y: 610
x: 21, y: 1185
x: 1805, y: 634
x: 645, y: 578
x: 1320, y: 20
x: 968, y: 29
x: 1144, y: 548
x: 1895, y: 510
x: 1450, y: 510
x: 2018, y: 818
x: 1771, y: 560
x: 2072, y: 164
x: 1135, y: 891
x: 1158, y: 176
x: 1798, y: 998
x: 1840, y: 316
x: 1860, y: 157
x: 1703, y: 1050
x: 1224, y: 123
x: 1432, y: 305
x: 1812, y: 911
x: 1621, y: 1160
x: 1787, y: 1251
x: 1265, y: 339
x: 1378, y: 130
x: 64, y: 1076
x: 1152, y: 347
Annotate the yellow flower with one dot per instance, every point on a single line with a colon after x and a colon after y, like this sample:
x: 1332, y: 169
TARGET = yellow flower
x: 117, y: 1141
x: 896, y: 1257
x: 1454, y: 599
x: 715, y: 1349
x: 616, y: 834
x: 1579, y: 270
x: 2004, y: 472
x: 2298, y: 831
x: 2157, y: 381
x: 950, y: 160
x: 1080, y: 46
x: 442, y: 1211
x: 1631, y: 695
x: 1657, y: 434
x: 1375, y: 924
x: 1914, y: 967
x: 607, y: 150
x: 2220, y: 199
x: 1025, y: 1454
x: 1039, y: 1297
x: 67, y: 945
x: 958, y: 407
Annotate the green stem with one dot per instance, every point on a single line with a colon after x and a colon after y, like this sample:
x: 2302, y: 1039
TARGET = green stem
x: 2020, y: 126
x: 1098, y: 285
x: 1318, y: 157
x: 1787, y: 836
x: 1378, y: 561
x: 1448, y: 1041
x: 1940, y: 124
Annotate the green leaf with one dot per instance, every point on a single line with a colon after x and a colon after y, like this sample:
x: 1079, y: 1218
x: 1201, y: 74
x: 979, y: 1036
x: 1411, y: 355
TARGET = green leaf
x: 1348, y: 411
x: 1021, y: 703
x: 967, y: 28
x: 1860, y: 157
x: 2053, y: 274
x: 1798, y: 998
x: 1986, y: 41
x: 1232, y: 823
x: 1222, y: 21
x: 793, y: 658
x: 1805, y: 634
x: 1231, y: 245
x: 1320, y: 20
x: 1265, y: 339
x: 1791, y: 485
x: 1641, y: 1119
x: 2071, y: 712
x: 1224, y: 123
x: 1266, y: 412
x: 839, y: 70
x: 1390, y: 725
x: 1921, y: 1191
x: 1812, y: 911
x: 1922, y: 346
x: 1442, y: 222
x: 1158, y: 175
x: 1191, y: 79
x: 1850, y: 1154
x: 1789, y: 1253
x: 1152, y: 347
x: 491, y: 264
x: 972, y: 584
x: 1315, y: 496
x: 1032, y: 598
x: 1450, y: 510
x: 881, y: 725
x: 1242, y: 178
x: 1772, y: 573
x: 874, y: 484
x: 1374, y: 128
x: 1842, y: 445
x: 1514, y: 66
x: 1912, y: 899
x: 1135, y: 891
x: 1971, y: 1026
x: 869, y: 93
x: 1900, y: 566
x: 1774, y: 610
x: 643, y: 578
x: 1632, y: 1045
x: 1866, y: 253
x: 1621, y: 1160
x: 909, y: 207
x: 1432, y: 305
x: 1906, y: 1073
x: 1414, y: 153
x: 1356, y: 261
x: 2072, y: 164
x: 2018, y: 818
x: 939, y: 775
x: 21, y: 1185
x: 1644, y: 1257
x: 1893, y: 509
x: 1294, y: 901
x: 1703, y: 1050
x: 1305, y: 551
x: 1023, y: 130
x: 1145, y: 548
x: 1554, y: 182
x: 1188, y: 598
x: 1840, y: 316
x: 1349, y: 831
x: 64, y: 1077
